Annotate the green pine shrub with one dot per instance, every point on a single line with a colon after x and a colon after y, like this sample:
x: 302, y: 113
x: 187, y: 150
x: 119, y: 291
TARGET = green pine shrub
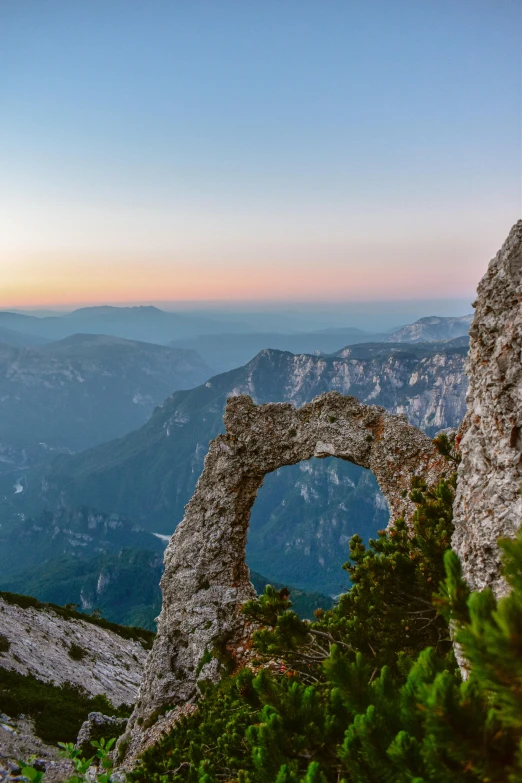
x: 288, y: 722
x: 57, y: 711
x: 370, y: 691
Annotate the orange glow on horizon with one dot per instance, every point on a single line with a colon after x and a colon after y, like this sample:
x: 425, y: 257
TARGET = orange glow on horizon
x: 43, y: 281
x: 225, y: 286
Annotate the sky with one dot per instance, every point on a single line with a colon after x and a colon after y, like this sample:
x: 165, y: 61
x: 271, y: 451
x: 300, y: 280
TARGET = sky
x: 252, y: 150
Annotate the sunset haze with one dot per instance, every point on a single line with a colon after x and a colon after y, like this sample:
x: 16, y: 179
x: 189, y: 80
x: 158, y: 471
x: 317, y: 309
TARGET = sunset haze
x: 261, y: 151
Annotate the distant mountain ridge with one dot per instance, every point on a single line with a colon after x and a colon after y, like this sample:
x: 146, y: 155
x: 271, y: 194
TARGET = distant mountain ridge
x: 123, y: 585
x: 83, y: 390
x: 19, y: 339
x: 433, y: 328
x: 226, y: 351
x: 144, y: 323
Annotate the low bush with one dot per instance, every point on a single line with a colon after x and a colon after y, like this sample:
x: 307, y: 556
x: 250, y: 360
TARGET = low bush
x: 57, y: 711
x: 4, y: 643
x: 76, y: 652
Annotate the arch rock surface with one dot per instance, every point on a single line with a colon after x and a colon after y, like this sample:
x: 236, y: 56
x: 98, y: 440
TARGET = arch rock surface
x: 206, y: 579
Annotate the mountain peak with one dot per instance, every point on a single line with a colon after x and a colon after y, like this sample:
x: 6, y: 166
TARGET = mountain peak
x: 432, y: 328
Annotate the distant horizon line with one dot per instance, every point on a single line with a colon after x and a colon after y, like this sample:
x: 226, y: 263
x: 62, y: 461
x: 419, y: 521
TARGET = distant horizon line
x: 228, y: 303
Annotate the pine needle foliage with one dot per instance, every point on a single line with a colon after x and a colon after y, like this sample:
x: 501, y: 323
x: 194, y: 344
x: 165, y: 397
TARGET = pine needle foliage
x: 370, y: 692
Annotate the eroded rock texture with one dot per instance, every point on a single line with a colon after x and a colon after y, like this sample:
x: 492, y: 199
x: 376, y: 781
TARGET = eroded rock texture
x: 488, y: 503
x: 206, y: 578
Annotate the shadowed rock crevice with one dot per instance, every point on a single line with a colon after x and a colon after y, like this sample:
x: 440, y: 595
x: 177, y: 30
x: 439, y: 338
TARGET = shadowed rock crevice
x: 201, y: 630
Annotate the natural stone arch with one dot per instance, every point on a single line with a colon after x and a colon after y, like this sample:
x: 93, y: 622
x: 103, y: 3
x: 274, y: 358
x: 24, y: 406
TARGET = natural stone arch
x: 206, y: 579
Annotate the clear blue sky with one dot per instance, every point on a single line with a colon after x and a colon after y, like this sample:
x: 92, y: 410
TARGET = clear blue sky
x: 183, y: 149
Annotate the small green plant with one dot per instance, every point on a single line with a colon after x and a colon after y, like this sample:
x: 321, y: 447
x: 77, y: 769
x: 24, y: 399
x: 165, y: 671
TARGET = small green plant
x: 76, y: 652
x: 82, y: 765
x: 446, y: 445
x: 105, y: 761
x: 205, y: 658
x: 29, y: 771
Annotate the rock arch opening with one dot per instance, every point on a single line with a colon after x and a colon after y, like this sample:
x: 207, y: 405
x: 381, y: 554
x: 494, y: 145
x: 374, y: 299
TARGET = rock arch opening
x: 303, y: 518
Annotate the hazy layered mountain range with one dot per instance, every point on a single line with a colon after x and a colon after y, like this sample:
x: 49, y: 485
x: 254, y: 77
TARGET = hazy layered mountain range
x: 226, y: 351
x: 67, y: 395
x: 170, y: 322
x: 83, y: 390
x: 19, y: 339
x: 149, y: 475
x: 147, y: 324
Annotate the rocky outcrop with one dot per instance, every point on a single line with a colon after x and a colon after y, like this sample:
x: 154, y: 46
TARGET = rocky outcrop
x: 488, y: 503
x: 18, y: 742
x: 206, y: 579
x: 97, y: 727
x: 39, y: 642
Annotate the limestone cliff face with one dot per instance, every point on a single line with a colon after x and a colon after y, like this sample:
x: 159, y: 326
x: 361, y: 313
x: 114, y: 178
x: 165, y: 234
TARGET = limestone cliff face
x: 206, y: 579
x: 488, y: 503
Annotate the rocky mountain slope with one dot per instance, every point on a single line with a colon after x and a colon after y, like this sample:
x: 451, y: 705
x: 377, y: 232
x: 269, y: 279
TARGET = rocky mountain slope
x: 86, y: 389
x: 55, y: 667
x: 19, y: 339
x: 79, y: 534
x: 41, y: 642
x: 432, y: 329
x: 149, y: 475
x: 488, y: 506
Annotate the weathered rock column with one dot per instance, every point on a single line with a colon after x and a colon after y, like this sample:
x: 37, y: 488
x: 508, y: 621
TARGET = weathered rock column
x: 206, y: 578
x: 488, y: 504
